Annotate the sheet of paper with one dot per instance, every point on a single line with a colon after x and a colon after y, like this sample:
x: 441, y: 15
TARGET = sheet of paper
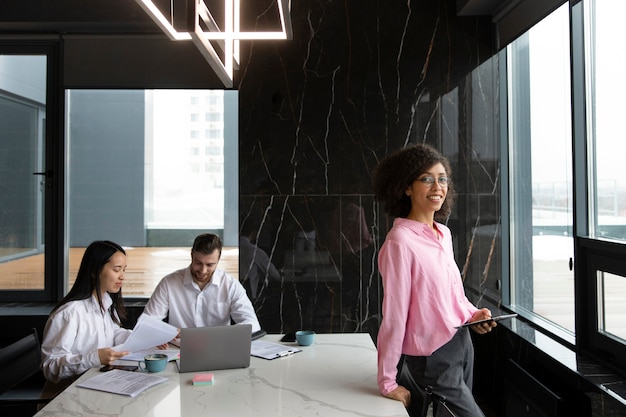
x: 270, y: 350
x: 138, y: 355
x: 122, y: 382
x: 148, y: 333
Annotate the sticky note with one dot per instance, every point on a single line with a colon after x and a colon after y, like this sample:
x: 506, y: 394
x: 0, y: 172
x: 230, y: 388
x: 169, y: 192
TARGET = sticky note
x: 203, y: 379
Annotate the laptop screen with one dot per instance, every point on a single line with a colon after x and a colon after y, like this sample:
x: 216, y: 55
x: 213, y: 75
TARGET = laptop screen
x: 214, y: 348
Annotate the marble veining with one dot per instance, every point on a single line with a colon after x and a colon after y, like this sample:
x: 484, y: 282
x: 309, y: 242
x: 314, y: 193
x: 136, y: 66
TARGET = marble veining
x: 359, y: 80
x: 336, y: 376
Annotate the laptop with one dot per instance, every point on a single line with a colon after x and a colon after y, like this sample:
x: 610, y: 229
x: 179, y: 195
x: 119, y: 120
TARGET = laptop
x: 214, y: 348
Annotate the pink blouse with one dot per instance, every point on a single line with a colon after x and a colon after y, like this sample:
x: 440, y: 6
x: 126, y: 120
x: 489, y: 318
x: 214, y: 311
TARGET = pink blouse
x: 424, y: 298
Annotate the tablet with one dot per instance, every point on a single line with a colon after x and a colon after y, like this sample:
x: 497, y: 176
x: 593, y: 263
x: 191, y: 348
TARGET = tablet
x: 258, y: 334
x: 496, y: 318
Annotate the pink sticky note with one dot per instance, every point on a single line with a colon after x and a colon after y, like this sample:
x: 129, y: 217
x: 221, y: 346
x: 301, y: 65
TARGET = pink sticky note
x: 203, y: 379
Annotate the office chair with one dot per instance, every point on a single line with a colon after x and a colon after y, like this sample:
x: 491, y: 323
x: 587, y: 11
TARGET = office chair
x: 22, y: 382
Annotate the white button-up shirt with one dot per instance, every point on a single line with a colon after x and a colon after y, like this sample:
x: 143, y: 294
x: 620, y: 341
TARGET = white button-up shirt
x: 74, y: 333
x: 221, y: 300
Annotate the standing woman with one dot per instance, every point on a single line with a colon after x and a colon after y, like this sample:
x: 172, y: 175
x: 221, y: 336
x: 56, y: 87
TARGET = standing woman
x: 424, y: 297
x: 84, y: 326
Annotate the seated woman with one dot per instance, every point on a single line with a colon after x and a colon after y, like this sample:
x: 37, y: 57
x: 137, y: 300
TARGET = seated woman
x: 84, y: 326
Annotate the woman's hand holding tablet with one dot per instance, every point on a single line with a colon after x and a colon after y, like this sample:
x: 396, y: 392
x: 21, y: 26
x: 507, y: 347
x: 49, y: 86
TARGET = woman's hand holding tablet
x: 496, y: 318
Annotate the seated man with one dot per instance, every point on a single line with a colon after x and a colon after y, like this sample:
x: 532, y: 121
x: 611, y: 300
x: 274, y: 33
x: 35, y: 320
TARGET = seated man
x: 201, y: 295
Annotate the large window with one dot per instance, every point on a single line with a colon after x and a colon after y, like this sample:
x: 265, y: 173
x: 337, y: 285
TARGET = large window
x: 540, y: 172
x: 605, y: 66
x: 178, y: 196
x: 22, y: 116
x: 603, y: 240
x: 136, y: 175
x: 27, y: 174
x: 107, y: 164
x: 567, y: 188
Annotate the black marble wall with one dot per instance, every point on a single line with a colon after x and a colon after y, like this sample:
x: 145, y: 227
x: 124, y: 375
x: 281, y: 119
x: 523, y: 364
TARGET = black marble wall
x: 360, y: 79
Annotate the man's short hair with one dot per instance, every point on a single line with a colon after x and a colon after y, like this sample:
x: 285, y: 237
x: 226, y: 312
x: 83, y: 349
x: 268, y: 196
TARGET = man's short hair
x: 206, y: 243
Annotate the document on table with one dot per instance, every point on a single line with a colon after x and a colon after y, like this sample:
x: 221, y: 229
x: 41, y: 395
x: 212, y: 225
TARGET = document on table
x: 148, y: 333
x: 138, y: 355
x: 270, y: 350
x: 122, y: 382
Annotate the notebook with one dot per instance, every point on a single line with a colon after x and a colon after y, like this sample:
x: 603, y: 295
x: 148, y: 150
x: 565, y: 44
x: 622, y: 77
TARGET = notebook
x: 213, y: 348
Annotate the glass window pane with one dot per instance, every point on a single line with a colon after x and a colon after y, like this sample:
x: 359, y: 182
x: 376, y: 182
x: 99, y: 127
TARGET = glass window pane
x: 179, y: 195
x: 135, y: 177
x: 605, y: 69
x: 540, y: 153
x: 22, y: 126
x: 612, y: 304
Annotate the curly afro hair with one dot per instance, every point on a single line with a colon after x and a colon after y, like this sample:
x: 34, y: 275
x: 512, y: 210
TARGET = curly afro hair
x: 396, y: 173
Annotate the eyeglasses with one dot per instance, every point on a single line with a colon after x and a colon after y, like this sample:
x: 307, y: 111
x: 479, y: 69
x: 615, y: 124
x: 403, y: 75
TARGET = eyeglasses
x: 430, y: 181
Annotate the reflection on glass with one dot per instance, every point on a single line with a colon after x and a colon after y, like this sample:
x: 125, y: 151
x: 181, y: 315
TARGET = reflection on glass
x: 612, y: 302
x: 22, y: 117
x: 541, y: 170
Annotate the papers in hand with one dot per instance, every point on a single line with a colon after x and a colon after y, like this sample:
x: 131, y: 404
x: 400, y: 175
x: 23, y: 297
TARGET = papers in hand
x: 122, y: 382
x: 148, y: 333
x: 270, y: 350
x: 139, y: 355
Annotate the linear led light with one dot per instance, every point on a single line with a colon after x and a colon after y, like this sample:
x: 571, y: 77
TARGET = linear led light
x: 158, y: 18
x: 227, y: 39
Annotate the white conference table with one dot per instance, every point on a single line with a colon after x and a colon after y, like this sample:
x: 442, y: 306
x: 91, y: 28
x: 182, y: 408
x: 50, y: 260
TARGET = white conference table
x: 336, y: 376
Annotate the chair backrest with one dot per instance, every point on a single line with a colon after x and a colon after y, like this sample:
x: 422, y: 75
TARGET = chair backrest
x: 19, y: 361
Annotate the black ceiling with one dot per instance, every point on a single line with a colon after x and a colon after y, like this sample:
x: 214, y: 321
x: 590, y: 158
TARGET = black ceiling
x: 74, y: 16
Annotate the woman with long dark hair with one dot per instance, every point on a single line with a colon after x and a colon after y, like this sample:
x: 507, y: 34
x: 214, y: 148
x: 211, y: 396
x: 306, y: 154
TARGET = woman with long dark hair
x: 86, y: 324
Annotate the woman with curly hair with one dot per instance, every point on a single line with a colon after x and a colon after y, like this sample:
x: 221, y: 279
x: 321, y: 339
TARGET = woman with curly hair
x: 424, y: 299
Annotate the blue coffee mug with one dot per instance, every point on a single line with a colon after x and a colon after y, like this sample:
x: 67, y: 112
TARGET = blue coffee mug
x: 155, y: 362
x: 305, y: 337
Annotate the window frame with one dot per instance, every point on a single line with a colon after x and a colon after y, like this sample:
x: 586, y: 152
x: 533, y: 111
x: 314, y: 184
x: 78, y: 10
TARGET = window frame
x: 55, y: 233
x: 54, y: 154
x: 606, y: 256
x: 591, y: 254
x: 521, y: 152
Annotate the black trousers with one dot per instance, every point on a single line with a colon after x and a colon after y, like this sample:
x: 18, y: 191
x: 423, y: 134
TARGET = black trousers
x: 449, y: 371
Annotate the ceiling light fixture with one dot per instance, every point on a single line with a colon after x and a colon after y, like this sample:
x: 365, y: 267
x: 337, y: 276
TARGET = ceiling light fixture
x: 203, y: 30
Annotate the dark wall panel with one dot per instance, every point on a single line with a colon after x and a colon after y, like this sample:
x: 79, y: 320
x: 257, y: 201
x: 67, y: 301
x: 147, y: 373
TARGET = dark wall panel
x: 135, y: 62
x: 358, y: 81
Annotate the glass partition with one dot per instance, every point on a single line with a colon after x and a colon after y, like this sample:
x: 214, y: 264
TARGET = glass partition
x: 146, y: 170
x: 606, y: 90
x: 540, y: 171
x: 22, y: 171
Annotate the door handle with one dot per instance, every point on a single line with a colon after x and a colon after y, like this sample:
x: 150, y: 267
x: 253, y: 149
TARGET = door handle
x: 571, y: 263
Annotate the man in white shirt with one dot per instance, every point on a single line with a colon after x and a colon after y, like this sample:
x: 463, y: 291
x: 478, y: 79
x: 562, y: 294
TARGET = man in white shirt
x: 201, y: 295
